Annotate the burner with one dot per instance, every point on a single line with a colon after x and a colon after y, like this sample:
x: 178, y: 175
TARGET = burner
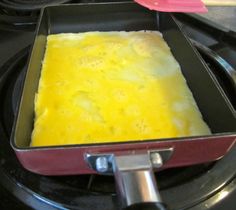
x: 221, y: 69
x: 27, y: 5
x: 22, y: 14
x: 91, y: 191
x: 13, y: 20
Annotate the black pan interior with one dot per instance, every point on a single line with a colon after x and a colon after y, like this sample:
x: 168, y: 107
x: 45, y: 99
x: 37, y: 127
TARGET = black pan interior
x: 213, y: 104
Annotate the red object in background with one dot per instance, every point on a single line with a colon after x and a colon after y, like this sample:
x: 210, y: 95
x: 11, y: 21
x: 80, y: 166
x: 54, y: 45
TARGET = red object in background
x: 191, y: 6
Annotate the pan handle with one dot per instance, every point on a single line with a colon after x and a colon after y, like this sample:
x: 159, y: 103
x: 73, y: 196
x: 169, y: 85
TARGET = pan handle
x: 136, y: 181
x: 146, y: 206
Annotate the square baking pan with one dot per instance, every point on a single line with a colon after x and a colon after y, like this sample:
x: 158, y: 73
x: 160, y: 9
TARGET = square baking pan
x: 214, y: 106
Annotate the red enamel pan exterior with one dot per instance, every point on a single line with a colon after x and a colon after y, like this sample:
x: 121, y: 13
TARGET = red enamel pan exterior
x: 71, y: 160
x: 212, y: 102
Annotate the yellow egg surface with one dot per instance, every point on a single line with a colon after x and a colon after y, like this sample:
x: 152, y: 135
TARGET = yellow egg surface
x: 98, y: 87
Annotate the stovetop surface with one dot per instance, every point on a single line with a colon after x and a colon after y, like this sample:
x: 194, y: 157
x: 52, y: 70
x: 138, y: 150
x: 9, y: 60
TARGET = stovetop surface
x: 207, y: 186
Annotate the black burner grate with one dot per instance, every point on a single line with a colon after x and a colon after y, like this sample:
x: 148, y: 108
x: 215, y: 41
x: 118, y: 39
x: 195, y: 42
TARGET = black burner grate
x: 26, y: 5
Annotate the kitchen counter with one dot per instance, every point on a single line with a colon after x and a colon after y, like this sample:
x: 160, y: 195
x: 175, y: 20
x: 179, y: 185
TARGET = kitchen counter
x: 225, y: 16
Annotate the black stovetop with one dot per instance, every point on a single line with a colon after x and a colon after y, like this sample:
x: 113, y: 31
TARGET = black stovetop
x: 207, y: 186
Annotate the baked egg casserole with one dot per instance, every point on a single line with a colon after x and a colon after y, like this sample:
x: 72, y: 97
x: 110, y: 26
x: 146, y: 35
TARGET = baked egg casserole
x: 98, y: 87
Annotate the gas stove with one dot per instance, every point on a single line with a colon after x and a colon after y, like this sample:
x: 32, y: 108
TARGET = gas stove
x: 206, y: 186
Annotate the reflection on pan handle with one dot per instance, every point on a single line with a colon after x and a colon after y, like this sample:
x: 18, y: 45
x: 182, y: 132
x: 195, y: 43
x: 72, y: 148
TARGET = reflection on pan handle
x: 146, y: 206
x: 135, y: 181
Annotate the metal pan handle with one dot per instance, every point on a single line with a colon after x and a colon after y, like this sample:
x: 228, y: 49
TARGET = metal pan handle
x: 133, y: 171
x: 146, y: 206
x: 136, y: 182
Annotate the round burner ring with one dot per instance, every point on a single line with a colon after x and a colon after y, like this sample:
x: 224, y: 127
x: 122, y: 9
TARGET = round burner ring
x: 29, y: 4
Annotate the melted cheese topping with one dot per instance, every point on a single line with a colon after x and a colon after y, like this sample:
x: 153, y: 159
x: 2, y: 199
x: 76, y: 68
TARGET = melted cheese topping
x: 112, y: 87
